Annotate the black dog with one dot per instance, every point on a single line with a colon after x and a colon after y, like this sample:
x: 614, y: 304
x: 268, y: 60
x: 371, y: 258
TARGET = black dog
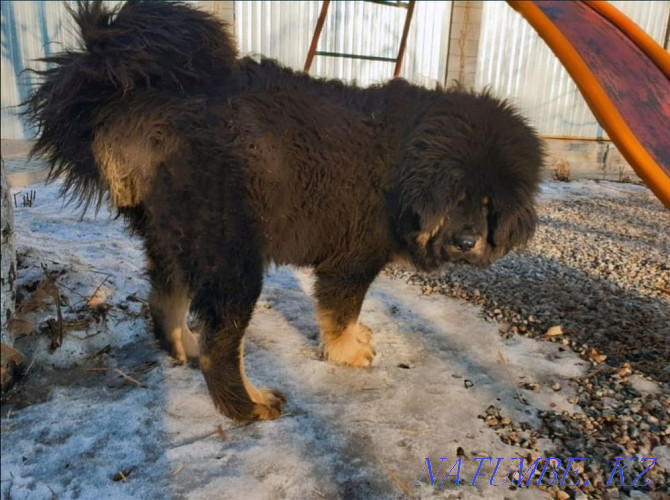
x: 225, y: 165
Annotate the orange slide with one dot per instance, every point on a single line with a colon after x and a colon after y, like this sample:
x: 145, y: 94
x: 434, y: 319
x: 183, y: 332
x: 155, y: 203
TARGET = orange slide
x: 623, y: 74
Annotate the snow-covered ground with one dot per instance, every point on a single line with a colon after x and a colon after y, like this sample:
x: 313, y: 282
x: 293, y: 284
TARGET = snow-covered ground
x: 551, y: 191
x: 108, y: 415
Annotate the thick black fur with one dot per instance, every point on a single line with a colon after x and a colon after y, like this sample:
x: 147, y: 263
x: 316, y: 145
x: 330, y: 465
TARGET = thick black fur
x: 225, y: 165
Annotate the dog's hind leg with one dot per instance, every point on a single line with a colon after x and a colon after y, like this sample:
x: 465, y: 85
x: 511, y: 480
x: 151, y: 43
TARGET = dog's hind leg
x: 169, y: 307
x: 169, y: 299
x: 340, y: 296
x: 224, y: 307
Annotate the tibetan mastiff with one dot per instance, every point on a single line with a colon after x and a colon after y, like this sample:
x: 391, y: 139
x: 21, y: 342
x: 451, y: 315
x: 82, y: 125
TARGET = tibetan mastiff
x: 224, y: 165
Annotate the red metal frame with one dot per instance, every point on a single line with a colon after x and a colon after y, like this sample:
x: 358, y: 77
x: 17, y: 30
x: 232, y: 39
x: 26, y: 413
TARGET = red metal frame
x: 317, y: 34
x: 319, y: 28
x: 403, y: 40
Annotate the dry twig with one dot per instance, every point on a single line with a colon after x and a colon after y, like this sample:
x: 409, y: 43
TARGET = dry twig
x: 130, y: 379
x: 178, y: 469
x: 396, y: 479
x: 196, y: 439
x: 503, y: 362
x: 88, y: 301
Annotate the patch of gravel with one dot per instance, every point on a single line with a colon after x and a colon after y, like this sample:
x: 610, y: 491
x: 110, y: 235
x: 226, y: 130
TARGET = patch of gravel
x: 598, y: 268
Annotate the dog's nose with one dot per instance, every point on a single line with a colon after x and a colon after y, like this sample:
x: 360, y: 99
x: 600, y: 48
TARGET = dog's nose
x: 465, y: 242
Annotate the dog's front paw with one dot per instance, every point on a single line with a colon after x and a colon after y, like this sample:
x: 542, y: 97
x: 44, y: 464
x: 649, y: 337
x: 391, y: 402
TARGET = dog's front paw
x: 268, y: 404
x: 242, y: 404
x: 352, y: 347
x: 364, y: 332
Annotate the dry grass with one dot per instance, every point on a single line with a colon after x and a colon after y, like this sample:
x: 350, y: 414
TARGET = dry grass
x: 561, y: 171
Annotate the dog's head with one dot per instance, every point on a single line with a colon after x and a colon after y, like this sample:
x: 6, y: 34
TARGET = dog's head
x: 468, y: 180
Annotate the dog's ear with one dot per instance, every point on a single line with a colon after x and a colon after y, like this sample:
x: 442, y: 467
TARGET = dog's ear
x: 511, y: 224
x: 409, y: 224
x: 418, y: 223
x: 430, y: 183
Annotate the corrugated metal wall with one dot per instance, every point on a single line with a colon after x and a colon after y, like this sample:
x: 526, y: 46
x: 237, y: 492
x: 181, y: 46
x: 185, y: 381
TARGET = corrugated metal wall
x: 30, y: 30
x: 515, y: 62
x: 33, y: 29
x: 283, y: 30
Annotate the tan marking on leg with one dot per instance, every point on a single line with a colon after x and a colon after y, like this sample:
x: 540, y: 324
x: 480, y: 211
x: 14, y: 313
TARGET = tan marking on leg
x: 205, y: 363
x: 268, y: 402
x: 173, y: 309
x: 348, y: 346
x: 189, y: 342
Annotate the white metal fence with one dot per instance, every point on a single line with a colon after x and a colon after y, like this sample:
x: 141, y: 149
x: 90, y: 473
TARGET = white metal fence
x: 512, y: 59
x: 30, y: 30
x: 283, y: 31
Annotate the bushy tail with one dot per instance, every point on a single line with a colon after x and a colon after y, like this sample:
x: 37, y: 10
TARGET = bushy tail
x: 162, y: 45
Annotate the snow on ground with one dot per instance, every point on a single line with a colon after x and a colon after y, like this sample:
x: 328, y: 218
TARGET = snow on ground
x: 79, y: 429
x: 552, y: 191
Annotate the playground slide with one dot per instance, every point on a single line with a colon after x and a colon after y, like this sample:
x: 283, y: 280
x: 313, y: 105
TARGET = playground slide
x: 623, y: 74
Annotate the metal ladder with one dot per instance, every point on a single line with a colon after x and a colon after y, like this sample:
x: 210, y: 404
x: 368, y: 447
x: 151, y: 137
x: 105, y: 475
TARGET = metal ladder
x: 409, y: 5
